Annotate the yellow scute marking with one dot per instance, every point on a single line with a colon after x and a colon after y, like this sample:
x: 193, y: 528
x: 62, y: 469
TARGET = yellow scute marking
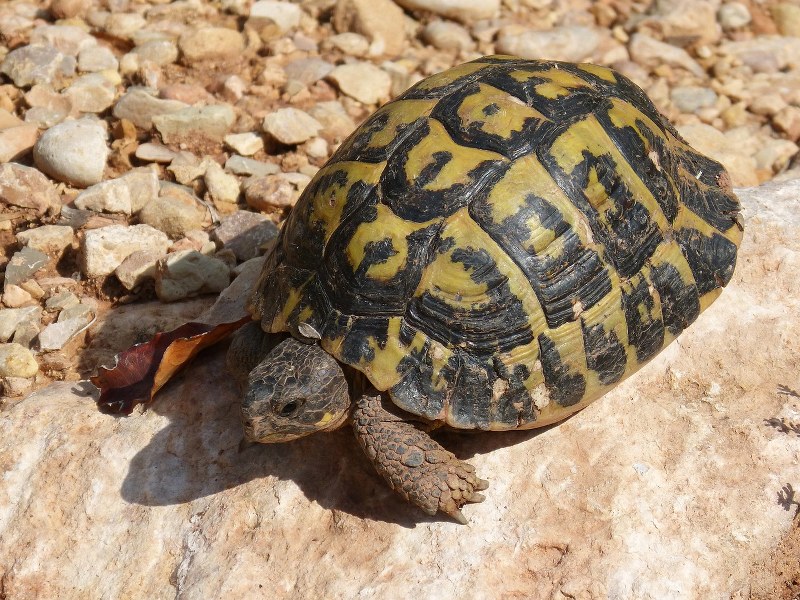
x: 510, y: 117
x: 329, y: 202
x: 400, y: 112
x: 598, y: 71
x: 456, y: 170
x: 449, y: 76
x: 389, y: 226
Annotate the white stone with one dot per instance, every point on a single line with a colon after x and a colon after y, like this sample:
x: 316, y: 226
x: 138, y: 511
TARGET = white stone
x: 212, y: 122
x: 139, y: 106
x: 291, y: 125
x: 447, y: 35
x: 17, y: 141
x: 97, y: 58
x: 102, y: 250
x: 733, y: 15
x: 570, y: 43
x: 127, y: 194
x: 189, y: 273
x: 138, y: 268
x: 74, y: 152
x: 363, y: 81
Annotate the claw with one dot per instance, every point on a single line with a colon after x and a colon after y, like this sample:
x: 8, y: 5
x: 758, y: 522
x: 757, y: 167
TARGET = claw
x: 476, y: 497
x: 459, y: 516
x: 482, y: 484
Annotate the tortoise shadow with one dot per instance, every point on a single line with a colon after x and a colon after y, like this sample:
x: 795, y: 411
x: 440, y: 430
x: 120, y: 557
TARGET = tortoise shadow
x: 197, y: 455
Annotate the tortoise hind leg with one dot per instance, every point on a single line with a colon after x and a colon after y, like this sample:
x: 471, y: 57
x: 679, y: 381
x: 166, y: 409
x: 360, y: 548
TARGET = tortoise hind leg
x: 413, y: 464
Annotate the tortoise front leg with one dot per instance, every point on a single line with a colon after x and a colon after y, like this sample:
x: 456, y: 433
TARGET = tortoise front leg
x: 413, y: 464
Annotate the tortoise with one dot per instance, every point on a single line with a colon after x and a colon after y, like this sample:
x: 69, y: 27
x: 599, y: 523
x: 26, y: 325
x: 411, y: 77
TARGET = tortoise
x: 492, y: 250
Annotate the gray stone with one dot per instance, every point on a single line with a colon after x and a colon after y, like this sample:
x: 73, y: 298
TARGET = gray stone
x: 211, y: 44
x: 127, y: 194
x: 102, y: 250
x: 570, y: 43
x: 75, y: 312
x: 188, y: 273
x: 97, y: 58
x: 211, y: 122
x: 139, y: 107
x: 458, y: 10
x: 29, y: 65
x: 291, y: 125
x: 92, y: 93
x: 74, y: 152
x: 50, y: 239
x: 691, y: 98
x: 138, y: 268
x: 245, y: 233
x: 11, y: 318
x: 17, y: 361
x: 245, y: 143
x: 247, y: 166
x: 62, y: 300
x: 26, y: 187
x: 56, y: 335
x: 23, y: 264
x: 14, y: 387
x: 362, y: 81
x: 17, y: 141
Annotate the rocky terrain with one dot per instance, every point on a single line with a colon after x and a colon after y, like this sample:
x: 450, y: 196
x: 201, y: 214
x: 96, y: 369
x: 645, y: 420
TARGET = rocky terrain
x: 149, y: 149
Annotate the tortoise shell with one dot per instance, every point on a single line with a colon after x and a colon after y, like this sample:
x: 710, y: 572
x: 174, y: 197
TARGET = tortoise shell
x: 503, y: 243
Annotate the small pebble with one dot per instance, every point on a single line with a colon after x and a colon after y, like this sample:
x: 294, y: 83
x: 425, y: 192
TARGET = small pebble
x: 139, y: 107
x: 211, y: 122
x: 158, y: 52
x: 56, y: 335
x: 362, y: 81
x: 291, y: 126
x: 240, y: 165
x: 174, y: 214
x: 15, y: 297
x: 61, y: 300
x: 29, y: 65
x: 138, y: 268
x: 74, y: 152
x: 156, y: 153
x: 17, y: 141
x: 446, y: 35
x: 97, y: 58
x: 244, y: 233
x: 127, y: 194
x: 189, y: 273
x: 23, y: 264
x: 351, y: 44
x: 50, y: 239
x: 380, y: 21
x: 459, y: 10
x: 246, y: 144
x: 222, y: 186
x: 102, y: 250
x: 208, y: 44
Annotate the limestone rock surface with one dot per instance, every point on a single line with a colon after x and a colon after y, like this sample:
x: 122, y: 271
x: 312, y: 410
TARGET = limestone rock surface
x: 674, y: 485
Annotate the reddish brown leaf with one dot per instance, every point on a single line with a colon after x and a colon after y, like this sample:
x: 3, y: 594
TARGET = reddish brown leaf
x: 145, y: 368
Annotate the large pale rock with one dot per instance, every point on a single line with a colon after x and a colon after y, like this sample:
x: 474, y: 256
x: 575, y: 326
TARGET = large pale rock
x: 671, y: 486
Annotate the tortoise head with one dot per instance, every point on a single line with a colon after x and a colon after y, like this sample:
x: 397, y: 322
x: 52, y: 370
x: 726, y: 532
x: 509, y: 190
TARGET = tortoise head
x: 298, y: 389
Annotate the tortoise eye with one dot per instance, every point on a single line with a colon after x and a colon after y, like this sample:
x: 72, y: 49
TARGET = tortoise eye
x: 287, y: 409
